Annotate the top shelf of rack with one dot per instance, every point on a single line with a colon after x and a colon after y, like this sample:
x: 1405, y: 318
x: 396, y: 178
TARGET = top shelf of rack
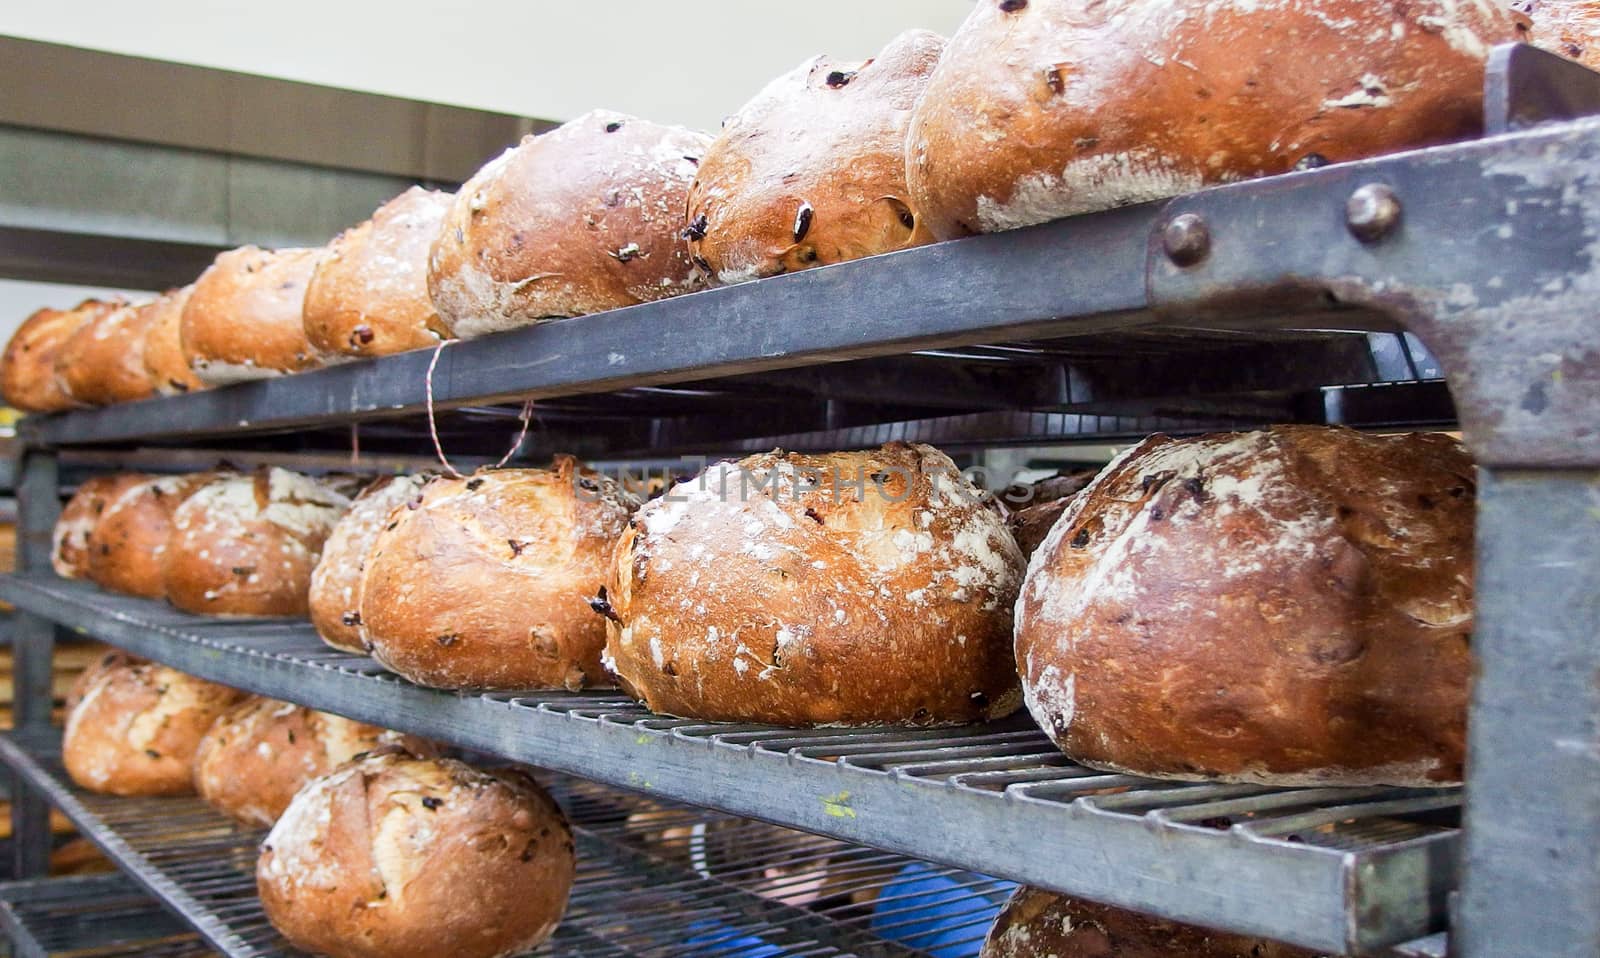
x: 1486, y: 226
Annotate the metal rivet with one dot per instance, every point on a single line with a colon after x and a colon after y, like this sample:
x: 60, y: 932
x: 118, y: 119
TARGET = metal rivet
x: 1372, y: 212
x: 1186, y: 239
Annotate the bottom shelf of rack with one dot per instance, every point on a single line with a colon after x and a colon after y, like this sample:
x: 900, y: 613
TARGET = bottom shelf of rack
x: 104, y: 916
x: 654, y: 878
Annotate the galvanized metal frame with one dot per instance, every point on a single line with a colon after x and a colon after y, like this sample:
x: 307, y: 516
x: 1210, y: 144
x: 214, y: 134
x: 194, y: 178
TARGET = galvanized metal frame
x: 1485, y: 250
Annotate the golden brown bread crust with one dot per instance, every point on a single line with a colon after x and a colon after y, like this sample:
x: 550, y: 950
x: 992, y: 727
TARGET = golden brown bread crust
x: 243, y: 318
x: 164, y: 361
x: 128, y: 546
x: 369, y: 293
x: 1040, y: 924
x: 245, y: 544
x: 110, y: 659
x: 1291, y: 606
x: 1030, y: 524
x: 261, y: 752
x: 1046, y: 108
x: 69, y: 541
x: 398, y: 857
x: 1568, y: 27
x: 777, y: 590
x: 103, y: 362
x: 28, y: 368
x: 812, y: 170
x: 136, y: 728
x: 578, y: 220
x: 336, y: 582
x: 485, y: 582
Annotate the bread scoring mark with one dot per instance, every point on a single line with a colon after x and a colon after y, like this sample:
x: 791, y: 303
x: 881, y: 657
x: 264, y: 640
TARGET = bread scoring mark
x: 1087, y: 184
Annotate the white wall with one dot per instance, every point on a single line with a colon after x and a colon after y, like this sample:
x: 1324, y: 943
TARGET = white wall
x: 684, y: 61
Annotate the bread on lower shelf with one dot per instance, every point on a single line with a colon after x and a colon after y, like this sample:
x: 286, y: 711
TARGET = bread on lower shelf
x: 393, y: 856
x: 258, y: 754
x: 1568, y: 27
x: 857, y: 588
x: 1287, y: 607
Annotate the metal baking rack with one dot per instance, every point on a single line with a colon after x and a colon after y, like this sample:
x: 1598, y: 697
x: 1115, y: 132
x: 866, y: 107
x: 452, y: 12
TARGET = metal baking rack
x: 107, y: 916
x: 1278, y: 299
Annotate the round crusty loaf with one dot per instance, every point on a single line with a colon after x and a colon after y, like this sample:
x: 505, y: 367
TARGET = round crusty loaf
x: 243, y: 317
x: 103, y: 362
x: 1041, y: 109
x: 1568, y: 27
x: 28, y: 368
x: 128, y: 546
x: 1040, y: 924
x: 1287, y: 607
x: 812, y: 171
x: 1049, y: 499
x: 136, y: 728
x: 261, y: 752
x: 485, y: 582
x: 336, y: 582
x: 164, y: 361
x: 245, y: 544
x: 369, y: 293
x: 109, y: 659
x: 856, y: 588
x: 69, y: 540
x: 578, y: 220
x: 399, y: 857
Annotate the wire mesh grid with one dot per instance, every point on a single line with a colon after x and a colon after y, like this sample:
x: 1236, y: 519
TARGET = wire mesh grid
x: 99, y: 916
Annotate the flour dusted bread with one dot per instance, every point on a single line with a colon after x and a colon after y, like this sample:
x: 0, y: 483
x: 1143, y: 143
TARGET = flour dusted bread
x: 1568, y: 27
x: 1041, y: 109
x: 578, y: 220
x: 261, y: 752
x: 812, y: 170
x: 1291, y: 606
x: 110, y: 659
x: 368, y: 295
x: 103, y: 362
x: 243, y: 318
x: 164, y: 361
x: 394, y: 856
x: 246, y: 543
x: 128, y: 545
x: 136, y: 728
x: 28, y: 367
x: 484, y: 581
x: 69, y: 540
x: 855, y: 588
x: 1040, y: 924
x: 336, y: 582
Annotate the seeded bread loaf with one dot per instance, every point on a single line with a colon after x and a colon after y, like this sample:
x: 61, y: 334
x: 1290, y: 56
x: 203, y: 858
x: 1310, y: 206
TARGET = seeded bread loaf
x: 336, y: 581
x: 28, y: 368
x: 243, y: 318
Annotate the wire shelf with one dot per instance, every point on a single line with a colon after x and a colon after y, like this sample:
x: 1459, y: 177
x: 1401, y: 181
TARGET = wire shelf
x: 95, y: 916
x: 1343, y: 870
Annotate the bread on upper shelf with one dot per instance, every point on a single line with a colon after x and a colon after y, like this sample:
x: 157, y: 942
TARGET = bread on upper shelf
x: 243, y: 319
x: 1568, y: 27
x: 103, y: 361
x: 28, y: 367
x: 578, y: 220
x: 164, y: 360
x: 812, y: 170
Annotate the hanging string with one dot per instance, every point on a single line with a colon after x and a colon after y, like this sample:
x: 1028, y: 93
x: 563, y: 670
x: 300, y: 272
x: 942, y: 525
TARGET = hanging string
x: 355, y: 444
x: 433, y: 427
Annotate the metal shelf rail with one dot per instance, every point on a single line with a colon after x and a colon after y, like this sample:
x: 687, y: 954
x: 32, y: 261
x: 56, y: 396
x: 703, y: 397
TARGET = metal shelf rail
x: 1488, y: 251
x: 1343, y: 870
x: 647, y: 883
x: 106, y: 916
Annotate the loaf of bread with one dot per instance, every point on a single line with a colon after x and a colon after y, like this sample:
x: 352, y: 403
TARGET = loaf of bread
x: 1041, y: 109
x: 812, y: 171
x: 245, y: 544
x: 1031, y: 523
x: 393, y: 856
x: 128, y: 545
x: 484, y: 582
x: 1041, y: 924
x: 28, y: 368
x: 103, y: 362
x: 164, y: 361
x: 369, y: 293
x: 243, y: 318
x: 856, y: 588
x: 578, y: 220
x: 261, y: 752
x: 1568, y: 27
x: 109, y: 660
x: 336, y: 582
x: 69, y: 541
x: 1286, y: 607
x: 137, y: 726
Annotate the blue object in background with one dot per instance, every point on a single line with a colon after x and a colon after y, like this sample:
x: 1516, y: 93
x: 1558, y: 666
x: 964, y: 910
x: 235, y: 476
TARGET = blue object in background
x: 713, y: 938
x: 942, y: 912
